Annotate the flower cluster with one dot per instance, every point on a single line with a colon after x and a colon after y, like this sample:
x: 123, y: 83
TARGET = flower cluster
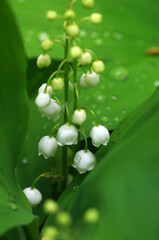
x: 76, y: 57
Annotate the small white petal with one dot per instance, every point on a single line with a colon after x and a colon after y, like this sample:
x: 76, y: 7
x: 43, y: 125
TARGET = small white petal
x: 33, y: 195
x: 83, y: 82
x: 84, y: 161
x: 52, y: 110
x: 47, y: 146
x: 42, y: 100
x: 92, y: 79
x: 49, y: 89
x: 67, y: 135
x: 99, y: 135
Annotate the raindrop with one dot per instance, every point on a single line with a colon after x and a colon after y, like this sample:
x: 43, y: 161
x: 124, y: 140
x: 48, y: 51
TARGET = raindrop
x: 83, y: 33
x: 98, y: 112
x: 100, y: 98
x: 119, y: 73
x: 114, y: 97
x: 93, y: 123
x: 118, y: 36
x: 12, y: 205
x: 43, y: 36
x: 94, y: 34
x: 98, y: 41
x: 104, y: 119
x: 123, y: 111
x: 116, y: 119
x: 75, y: 188
x: 24, y: 160
x: 106, y: 34
x: 156, y: 83
x: 108, y: 108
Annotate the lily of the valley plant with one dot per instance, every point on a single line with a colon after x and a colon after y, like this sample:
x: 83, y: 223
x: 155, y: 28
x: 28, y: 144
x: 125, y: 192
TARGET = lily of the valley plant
x: 67, y: 133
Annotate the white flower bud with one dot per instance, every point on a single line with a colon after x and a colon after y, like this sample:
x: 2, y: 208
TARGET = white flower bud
x: 83, y: 81
x: 49, y: 89
x: 88, y: 3
x: 44, y: 60
x: 42, y: 100
x: 96, y: 18
x: 75, y: 52
x: 47, y: 44
x: 98, y: 66
x: 84, y: 161
x: 51, y: 15
x: 58, y: 84
x: 92, y: 79
x: 79, y: 116
x: 69, y: 14
x: 99, y: 135
x: 33, y: 195
x: 47, y: 147
x: 67, y: 135
x: 52, y: 110
x: 72, y: 30
x: 85, y: 59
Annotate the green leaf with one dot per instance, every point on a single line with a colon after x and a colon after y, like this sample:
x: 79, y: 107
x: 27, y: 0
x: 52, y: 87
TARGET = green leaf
x: 120, y: 43
x: 124, y: 185
x: 15, y: 210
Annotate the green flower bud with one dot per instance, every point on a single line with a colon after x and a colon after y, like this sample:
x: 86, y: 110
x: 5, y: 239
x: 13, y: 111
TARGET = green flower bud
x: 75, y: 52
x: 69, y: 15
x: 50, y: 206
x: 98, y: 66
x: 91, y: 215
x: 50, y: 233
x: 44, y: 60
x: 88, y: 3
x: 58, y: 84
x: 85, y: 59
x: 72, y: 30
x: 64, y: 219
x: 96, y: 18
x: 47, y: 44
x: 51, y: 15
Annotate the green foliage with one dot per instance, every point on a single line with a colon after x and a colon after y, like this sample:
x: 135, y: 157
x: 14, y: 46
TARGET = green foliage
x: 14, y: 208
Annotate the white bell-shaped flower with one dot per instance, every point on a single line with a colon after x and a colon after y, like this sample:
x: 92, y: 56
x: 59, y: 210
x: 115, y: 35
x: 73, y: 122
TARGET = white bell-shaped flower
x: 42, y: 100
x: 67, y: 134
x: 47, y: 147
x: 84, y: 161
x: 99, y: 135
x: 79, y: 116
x: 33, y: 195
x: 44, y: 60
x: 85, y: 59
x: 83, y: 81
x: 49, y: 89
x: 52, y: 110
x: 92, y: 79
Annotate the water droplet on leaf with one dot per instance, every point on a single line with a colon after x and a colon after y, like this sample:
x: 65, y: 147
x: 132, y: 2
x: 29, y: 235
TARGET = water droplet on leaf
x: 156, y: 83
x: 114, y: 97
x: 100, y: 98
x: 104, y: 119
x: 118, y: 36
x: 119, y: 73
x: 12, y: 206
x: 24, y: 160
x: 98, y: 41
x: 94, y: 34
x: 75, y: 188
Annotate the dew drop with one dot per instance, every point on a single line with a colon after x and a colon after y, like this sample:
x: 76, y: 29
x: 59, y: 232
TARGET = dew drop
x: 123, y: 111
x: 106, y: 34
x: 24, y: 160
x: 75, y: 188
x: 116, y: 119
x: 83, y: 33
x: 98, y: 112
x: 119, y: 73
x: 94, y: 34
x: 98, y: 41
x: 108, y: 108
x: 104, y: 119
x: 43, y: 36
x: 100, y: 98
x: 12, y: 206
x: 118, y: 36
x: 114, y: 97
x: 156, y: 83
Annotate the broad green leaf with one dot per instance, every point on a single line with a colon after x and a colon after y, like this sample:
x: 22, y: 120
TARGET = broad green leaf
x: 15, y: 210
x: 124, y: 185
x: 121, y: 41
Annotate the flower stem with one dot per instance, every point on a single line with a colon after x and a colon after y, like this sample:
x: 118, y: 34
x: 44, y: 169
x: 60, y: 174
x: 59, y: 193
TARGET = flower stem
x: 85, y: 138
x: 93, y: 114
x: 53, y: 129
x: 75, y: 82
